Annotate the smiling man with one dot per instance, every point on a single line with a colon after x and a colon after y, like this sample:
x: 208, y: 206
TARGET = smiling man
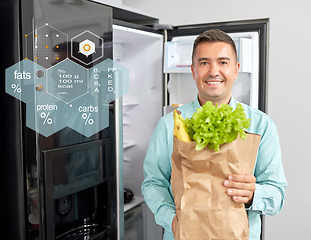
x: 214, y: 69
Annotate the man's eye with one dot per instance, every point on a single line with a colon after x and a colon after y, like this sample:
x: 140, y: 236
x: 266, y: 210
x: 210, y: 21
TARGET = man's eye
x: 203, y: 63
x: 223, y: 63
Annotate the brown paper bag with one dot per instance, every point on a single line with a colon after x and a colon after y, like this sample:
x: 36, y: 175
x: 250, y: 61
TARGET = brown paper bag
x: 204, y: 210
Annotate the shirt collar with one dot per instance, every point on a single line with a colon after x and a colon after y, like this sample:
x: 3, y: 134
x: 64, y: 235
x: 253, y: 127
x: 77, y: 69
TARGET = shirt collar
x: 232, y: 102
x: 197, y: 103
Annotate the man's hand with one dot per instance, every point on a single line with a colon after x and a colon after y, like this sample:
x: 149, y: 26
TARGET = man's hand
x: 241, y: 187
x: 174, y: 224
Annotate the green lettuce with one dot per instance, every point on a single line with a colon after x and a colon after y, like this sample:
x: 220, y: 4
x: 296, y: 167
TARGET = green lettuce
x: 213, y: 126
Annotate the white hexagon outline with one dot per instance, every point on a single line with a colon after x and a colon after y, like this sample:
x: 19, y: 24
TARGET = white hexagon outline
x: 47, y: 79
x: 86, y: 42
x: 36, y: 125
x: 33, y: 32
x: 39, y: 69
x: 102, y: 48
x: 77, y: 99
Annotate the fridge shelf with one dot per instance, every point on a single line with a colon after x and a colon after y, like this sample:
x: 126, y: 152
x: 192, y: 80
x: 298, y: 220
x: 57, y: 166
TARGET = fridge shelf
x: 126, y: 104
x: 178, y: 69
x: 126, y: 123
x: 126, y: 159
x: 128, y: 144
x: 136, y: 201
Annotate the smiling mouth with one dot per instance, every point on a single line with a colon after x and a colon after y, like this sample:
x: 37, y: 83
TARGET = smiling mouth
x: 213, y: 82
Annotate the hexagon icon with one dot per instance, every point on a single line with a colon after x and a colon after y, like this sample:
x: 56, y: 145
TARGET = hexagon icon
x: 46, y: 46
x: 109, y: 80
x: 86, y: 47
x: 67, y: 80
x: 25, y: 80
x: 89, y: 49
x: 88, y: 115
x: 46, y: 115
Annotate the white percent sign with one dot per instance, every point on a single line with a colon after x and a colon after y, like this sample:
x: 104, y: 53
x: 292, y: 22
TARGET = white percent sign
x: 88, y: 119
x: 16, y: 88
x: 46, y: 118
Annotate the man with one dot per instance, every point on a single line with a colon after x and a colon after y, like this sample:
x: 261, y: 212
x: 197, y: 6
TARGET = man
x: 214, y: 69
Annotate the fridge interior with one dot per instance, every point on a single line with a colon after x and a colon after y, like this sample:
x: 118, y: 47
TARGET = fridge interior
x: 142, y: 53
x: 181, y: 86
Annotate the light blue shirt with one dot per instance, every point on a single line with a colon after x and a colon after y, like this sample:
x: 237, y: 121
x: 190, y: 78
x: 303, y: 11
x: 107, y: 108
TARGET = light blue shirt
x: 270, y: 178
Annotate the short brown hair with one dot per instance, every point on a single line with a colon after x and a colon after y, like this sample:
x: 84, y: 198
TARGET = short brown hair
x: 214, y: 35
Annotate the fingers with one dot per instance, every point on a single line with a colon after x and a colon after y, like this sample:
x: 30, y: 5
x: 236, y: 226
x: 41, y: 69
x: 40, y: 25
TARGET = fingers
x: 250, y: 186
x: 244, y: 182
x: 241, y: 187
x: 244, y: 178
x: 240, y: 196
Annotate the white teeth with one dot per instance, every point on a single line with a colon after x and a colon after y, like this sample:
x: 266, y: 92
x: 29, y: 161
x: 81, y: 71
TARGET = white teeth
x: 213, y: 82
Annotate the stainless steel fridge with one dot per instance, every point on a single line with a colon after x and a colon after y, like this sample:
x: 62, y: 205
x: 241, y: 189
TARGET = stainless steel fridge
x: 158, y: 59
x: 59, y: 181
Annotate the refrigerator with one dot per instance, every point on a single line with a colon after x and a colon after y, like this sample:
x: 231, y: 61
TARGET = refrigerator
x: 62, y: 156
x: 158, y: 58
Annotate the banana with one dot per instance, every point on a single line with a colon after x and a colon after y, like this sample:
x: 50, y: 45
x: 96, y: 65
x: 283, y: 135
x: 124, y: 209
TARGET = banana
x: 180, y: 129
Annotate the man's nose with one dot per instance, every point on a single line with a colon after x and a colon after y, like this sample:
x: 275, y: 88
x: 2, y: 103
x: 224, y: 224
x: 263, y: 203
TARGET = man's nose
x: 214, y: 70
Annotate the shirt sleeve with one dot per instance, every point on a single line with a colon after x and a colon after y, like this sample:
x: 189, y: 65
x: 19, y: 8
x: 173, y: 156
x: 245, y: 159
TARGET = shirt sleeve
x: 269, y: 195
x: 157, y: 174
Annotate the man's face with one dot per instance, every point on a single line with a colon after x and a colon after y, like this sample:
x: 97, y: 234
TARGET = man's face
x: 214, y: 70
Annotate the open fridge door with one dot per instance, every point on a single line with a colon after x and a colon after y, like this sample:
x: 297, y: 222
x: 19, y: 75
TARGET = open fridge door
x: 141, y: 52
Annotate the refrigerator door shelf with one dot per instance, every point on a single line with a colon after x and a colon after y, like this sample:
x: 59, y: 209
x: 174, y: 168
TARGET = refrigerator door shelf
x: 126, y: 104
x: 125, y: 123
x: 244, y: 48
x: 177, y: 56
x: 128, y: 144
x: 126, y: 159
x: 137, y: 200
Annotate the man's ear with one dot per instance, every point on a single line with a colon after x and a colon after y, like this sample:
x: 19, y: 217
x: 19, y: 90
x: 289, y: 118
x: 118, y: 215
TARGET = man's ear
x: 192, y: 70
x: 236, y: 72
